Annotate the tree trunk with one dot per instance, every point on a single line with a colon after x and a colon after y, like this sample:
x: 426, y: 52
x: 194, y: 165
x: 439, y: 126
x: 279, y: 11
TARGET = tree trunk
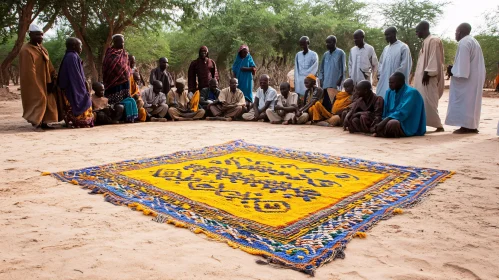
x: 25, y: 14
x: 80, y: 33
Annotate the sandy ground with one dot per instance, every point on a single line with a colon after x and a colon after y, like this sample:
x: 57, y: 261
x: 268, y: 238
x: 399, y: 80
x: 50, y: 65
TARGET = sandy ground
x: 54, y: 230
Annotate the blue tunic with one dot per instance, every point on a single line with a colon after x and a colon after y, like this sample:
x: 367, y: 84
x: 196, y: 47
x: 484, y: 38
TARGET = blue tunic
x: 333, y: 66
x: 245, y: 78
x: 406, y: 105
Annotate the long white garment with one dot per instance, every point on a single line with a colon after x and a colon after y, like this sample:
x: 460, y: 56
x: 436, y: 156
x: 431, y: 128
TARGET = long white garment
x: 362, y: 63
x: 466, y: 85
x: 305, y: 64
x: 395, y: 58
x: 431, y: 60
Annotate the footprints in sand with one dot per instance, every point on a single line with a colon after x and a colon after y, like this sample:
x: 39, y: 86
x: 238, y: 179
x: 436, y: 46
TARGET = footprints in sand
x: 463, y: 271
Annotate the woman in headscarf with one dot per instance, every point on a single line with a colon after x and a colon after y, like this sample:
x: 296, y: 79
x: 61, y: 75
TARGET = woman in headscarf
x: 244, y: 68
x: 116, y: 75
x: 73, y: 85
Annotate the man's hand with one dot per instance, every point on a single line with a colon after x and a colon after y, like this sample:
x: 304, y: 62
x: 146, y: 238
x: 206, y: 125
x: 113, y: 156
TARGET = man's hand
x: 449, y: 70
x: 257, y: 115
x: 338, y: 83
x: 426, y: 79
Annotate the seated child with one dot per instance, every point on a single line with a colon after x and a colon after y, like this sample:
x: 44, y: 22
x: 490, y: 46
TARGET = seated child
x: 103, y: 112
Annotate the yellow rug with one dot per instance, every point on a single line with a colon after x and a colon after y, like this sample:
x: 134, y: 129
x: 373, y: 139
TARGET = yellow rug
x: 294, y: 208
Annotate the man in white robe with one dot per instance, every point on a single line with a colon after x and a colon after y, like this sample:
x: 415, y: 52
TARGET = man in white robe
x: 396, y: 57
x: 429, y: 76
x: 362, y: 61
x: 466, y: 85
x: 306, y: 62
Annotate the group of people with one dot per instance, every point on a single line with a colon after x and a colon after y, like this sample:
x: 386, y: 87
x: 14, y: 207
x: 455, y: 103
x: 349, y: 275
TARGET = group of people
x: 323, y: 94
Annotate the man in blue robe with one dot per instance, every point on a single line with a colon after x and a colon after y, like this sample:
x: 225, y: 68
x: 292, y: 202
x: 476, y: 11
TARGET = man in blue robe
x: 332, y: 71
x: 403, y: 113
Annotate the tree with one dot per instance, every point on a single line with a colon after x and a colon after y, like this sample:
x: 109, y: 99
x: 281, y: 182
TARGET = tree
x: 94, y: 22
x: 20, y: 15
x: 406, y: 14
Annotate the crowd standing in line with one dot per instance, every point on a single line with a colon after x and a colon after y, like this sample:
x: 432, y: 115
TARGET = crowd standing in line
x: 324, y: 95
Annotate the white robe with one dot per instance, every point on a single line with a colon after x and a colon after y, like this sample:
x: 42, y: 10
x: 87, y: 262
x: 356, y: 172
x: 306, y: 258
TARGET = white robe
x: 431, y: 60
x: 395, y: 58
x: 304, y: 65
x: 362, y: 63
x: 466, y: 85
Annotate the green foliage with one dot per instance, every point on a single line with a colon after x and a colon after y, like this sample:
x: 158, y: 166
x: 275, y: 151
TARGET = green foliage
x: 147, y: 47
x: 490, y: 47
x: 406, y: 14
x: 56, y: 47
x: 450, y: 48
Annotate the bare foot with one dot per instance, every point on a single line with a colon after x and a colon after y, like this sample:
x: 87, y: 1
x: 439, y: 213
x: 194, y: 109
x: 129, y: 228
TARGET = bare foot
x: 308, y: 123
x: 285, y: 123
x: 440, y: 129
x: 228, y: 119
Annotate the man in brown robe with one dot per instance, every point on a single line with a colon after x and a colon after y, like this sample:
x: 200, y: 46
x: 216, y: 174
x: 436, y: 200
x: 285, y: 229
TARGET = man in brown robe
x: 366, y: 112
x: 201, y: 71
x: 38, y: 76
x: 429, y: 74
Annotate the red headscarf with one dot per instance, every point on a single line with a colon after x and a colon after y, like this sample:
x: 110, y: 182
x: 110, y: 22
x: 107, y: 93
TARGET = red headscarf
x: 242, y: 47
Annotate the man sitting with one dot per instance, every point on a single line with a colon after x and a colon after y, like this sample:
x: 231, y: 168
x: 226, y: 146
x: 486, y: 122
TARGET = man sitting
x: 230, y: 103
x: 264, y: 99
x: 103, y: 112
x: 180, y: 105
x: 313, y: 110
x: 403, y: 113
x: 342, y: 102
x: 286, y: 106
x: 209, y: 95
x: 155, y: 102
x: 366, y: 112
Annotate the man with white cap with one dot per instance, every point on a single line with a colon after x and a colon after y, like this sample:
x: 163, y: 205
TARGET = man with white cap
x: 38, y: 76
x: 182, y: 108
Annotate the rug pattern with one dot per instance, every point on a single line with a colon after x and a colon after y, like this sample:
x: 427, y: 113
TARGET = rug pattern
x: 297, y: 209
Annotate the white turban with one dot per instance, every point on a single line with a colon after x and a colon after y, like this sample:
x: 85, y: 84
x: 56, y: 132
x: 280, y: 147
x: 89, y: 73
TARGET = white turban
x: 181, y: 81
x: 35, y: 28
x: 116, y: 35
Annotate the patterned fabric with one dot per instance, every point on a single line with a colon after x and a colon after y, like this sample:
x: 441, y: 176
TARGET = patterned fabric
x: 84, y: 120
x: 297, y: 209
x: 115, y: 68
x: 118, y: 93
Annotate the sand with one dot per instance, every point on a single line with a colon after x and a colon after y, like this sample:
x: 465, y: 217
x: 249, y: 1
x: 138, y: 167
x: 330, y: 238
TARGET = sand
x: 54, y: 230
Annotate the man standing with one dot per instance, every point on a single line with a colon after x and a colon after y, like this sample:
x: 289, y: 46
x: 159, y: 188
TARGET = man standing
x: 201, y: 71
x: 332, y: 71
x: 466, y: 85
x: 161, y: 74
x: 38, y: 92
x: 362, y: 61
x: 396, y: 57
x: 403, y: 111
x: 155, y: 102
x: 429, y: 75
x: 265, y: 99
x: 230, y: 103
x: 286, y: 106
x: 306, y: 62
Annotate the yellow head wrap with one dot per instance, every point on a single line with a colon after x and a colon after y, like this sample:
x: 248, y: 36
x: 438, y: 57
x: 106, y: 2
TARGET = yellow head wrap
x: 312, y: 76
